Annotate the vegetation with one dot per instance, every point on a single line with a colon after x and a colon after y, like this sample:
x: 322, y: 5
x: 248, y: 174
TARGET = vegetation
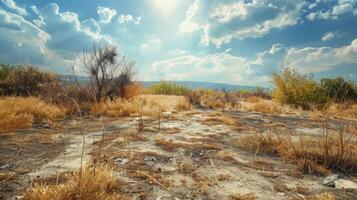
x: 298, y: 90
x: 89, y: 184
x: 20, y: 112
x: 168, y: 88
x: 109, y: 72
x: 295, y: 89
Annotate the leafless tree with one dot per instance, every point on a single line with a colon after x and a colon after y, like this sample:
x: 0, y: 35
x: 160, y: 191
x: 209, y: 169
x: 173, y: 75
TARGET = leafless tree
x: 109, y: 71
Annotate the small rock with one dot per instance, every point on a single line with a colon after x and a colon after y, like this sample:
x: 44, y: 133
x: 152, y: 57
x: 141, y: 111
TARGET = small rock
x: 121, y: 161
x: 5, y: 166
x: 330, y: 180
x: 345, y: 184
x: 149, y: 160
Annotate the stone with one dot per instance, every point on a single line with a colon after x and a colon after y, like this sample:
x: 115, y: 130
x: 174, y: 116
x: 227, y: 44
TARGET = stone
x: 345, y: 184
x: 121, y: 161
x: 330, y: 180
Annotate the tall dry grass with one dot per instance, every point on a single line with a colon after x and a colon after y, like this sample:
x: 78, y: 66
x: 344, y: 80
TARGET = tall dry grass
x: 22, y: 112
x: 92, y: 184
x: 313, y: 155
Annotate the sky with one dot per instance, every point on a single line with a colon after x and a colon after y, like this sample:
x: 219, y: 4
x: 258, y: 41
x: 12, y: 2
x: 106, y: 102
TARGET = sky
x: 227, y: 41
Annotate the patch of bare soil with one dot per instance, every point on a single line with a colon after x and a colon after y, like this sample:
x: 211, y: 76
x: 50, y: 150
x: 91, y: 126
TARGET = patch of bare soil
x: 187, y: 155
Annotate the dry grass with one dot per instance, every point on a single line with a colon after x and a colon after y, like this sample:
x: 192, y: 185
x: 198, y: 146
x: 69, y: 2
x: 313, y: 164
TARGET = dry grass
x: 4, y: 176
x: 217, y: 120
x: 253, y: 99
x: 239, y: 196
x: 312, y: 155
x: 19, y: 112
x: 183, y: 104
x: 267, y: 143
x: 98, y: 184
x: 116, y: 108
x: 322, y: 196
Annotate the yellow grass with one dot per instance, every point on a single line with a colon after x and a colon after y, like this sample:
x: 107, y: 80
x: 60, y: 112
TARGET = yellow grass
x: 116, y: 108
x: 98, y: 184
x: 239, y: 196
x: 150, y: 105
x: 21, y: 112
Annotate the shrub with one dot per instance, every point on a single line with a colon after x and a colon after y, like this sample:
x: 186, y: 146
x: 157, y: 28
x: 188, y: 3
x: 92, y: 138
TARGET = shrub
x: 298, y: 90
x: 169, y: 88
x: 29, y: 81
x: 339, y: 90
x: 20, y: 112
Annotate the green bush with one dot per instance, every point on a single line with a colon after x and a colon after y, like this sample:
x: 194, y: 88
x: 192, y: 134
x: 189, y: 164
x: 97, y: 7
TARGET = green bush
x: 339, y: 90
x: 169, y: 88
x: 295, y: 89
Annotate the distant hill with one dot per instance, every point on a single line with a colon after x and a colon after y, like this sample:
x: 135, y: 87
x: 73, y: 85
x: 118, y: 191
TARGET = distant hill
x: 205, y: 85
x: 189, y: 84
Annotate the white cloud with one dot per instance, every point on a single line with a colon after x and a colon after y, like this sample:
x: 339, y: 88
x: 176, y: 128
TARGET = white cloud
x: 330, y: 36
x: 69, y: 35
x: 314, y: 59
x: 128, y: 19
x: 106, y: 14
x: 52, y: 42
x: 221, y: 22
x: 12, y: 5
x: 333, y: 12
x: 91, y: 25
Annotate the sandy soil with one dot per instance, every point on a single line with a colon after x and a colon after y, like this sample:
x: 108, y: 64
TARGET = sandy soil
x: 191, y: 166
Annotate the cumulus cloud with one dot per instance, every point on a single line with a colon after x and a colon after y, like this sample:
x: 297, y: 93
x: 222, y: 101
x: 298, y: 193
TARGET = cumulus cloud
x: 12, y: 5
x: 69, y: 35
x: 52, y: 42
x: 106, y: 14
x: 317, y: 59
x: 221, y: 22
x: 129, y: 19
x: 21, y: 40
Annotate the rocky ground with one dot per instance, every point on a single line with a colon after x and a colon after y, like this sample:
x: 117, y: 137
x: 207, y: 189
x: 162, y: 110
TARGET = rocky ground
x: 185, y: 155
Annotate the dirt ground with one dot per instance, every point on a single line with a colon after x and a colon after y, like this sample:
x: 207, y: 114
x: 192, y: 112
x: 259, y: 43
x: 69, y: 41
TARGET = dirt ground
x: 188, y: 155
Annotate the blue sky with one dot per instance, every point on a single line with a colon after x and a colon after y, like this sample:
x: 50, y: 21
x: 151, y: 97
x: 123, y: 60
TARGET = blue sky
x: 228, y: 41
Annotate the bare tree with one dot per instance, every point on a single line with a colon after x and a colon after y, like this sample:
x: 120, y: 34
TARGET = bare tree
x: 108, y: 71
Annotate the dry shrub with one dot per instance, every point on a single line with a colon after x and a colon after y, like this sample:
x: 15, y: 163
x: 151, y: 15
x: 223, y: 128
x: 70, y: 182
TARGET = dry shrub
x: 92, y: 185
x: 319, y: 155
x: 20, y: 112
x: 239, y: 196
x: 132, y: 90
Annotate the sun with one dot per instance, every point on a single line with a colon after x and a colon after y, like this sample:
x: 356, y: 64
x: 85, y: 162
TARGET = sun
x: 165, y: 7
